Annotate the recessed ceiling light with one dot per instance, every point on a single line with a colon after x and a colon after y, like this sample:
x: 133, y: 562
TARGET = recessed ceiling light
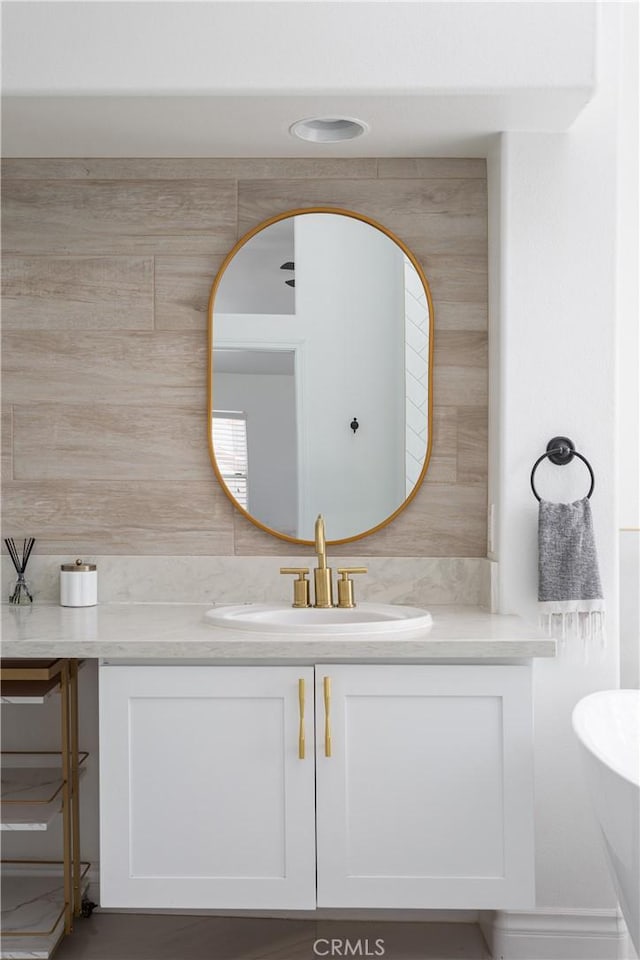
x: 328, y: 129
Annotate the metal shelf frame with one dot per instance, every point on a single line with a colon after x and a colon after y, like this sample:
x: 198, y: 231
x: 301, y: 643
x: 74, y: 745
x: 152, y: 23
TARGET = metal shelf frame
x: 24, y: 680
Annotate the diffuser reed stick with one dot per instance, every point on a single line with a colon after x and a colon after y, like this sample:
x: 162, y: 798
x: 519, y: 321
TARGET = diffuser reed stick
x: 21, y: 592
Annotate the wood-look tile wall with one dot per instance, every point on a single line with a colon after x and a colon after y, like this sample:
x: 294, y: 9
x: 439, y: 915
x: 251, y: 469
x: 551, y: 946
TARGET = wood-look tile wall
x: 107, y: 266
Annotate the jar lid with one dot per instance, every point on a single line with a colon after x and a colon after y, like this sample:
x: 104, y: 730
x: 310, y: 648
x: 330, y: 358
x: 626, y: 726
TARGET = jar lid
x: 79, y: 566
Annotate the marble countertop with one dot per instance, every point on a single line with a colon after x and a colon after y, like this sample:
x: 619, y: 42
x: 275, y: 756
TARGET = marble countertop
x: 176, y: 631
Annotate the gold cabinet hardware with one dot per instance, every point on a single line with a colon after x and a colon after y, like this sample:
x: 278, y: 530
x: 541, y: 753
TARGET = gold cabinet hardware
x: 345, y: 586
x: 327, y: 716
x: 301, y: 739
x: 300, y: 586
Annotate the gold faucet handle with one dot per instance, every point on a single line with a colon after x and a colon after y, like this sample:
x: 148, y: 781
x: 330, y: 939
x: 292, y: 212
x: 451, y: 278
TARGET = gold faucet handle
x: 300, y: 586
x: 345, y: 585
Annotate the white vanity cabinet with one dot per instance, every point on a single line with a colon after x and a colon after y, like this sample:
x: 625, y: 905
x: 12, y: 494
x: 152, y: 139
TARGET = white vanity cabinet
x: 204, y: 801
x: 416, y: 794
x: 427, y: 797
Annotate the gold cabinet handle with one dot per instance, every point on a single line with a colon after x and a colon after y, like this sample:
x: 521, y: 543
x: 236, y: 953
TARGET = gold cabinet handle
x: 301, y: 740
x: 327, y: 716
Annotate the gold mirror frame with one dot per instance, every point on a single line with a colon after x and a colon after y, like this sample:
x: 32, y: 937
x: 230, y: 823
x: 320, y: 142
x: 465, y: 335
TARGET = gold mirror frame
x: 216, y: 283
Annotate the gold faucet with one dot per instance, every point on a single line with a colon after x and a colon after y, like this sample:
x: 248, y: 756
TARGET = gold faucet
x: 322, y: 574
x: 322, y: 578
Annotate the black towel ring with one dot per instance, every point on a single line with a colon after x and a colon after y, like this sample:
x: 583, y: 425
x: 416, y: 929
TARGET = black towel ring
x: 560, y: 451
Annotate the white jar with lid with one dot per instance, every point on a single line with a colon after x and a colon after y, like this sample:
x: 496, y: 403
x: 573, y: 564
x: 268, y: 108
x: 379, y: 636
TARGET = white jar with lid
x: 78, y: 584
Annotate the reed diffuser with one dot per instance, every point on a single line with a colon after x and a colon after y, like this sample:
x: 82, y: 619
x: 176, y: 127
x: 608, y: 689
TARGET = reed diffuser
x: 21, y: 592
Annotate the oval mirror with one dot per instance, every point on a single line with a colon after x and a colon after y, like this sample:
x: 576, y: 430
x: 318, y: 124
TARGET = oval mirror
x: 320, y: 375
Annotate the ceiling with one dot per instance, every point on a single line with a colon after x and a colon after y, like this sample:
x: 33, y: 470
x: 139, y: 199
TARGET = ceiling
x: 228, y: 78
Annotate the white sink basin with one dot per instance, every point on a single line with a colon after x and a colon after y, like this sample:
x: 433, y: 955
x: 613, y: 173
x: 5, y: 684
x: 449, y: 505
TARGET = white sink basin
x: 365, y: 620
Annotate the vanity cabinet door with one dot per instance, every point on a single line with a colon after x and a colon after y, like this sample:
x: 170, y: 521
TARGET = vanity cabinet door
x: 427, y: 798
x: 204, y: 800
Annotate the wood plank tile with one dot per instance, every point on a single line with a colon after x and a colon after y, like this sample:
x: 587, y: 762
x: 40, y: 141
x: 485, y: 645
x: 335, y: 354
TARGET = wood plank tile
x: 460, y: 315
x: 443, y: 520
x: 6, y: 455
x: 180, y: 217
x: 182, y: 288
x: 182, y: 212
x: 216, y: 168
x: 250, y: 540
x: 460, y: 348
x: 398, y: 204
x: 443, y: 464
x: 459, y: 235
x: 441, y: 469
x: 453, y: 277
x: 121, y: 517
x: 444, y: 431
x: 112, y: 367
x: 432, y: 168
x: 473, y: 440
x: 431, y: 235
x: 98, y: 441
x: 461, y: 386
x: 161, y: 937
x: 429, y: 232
x: 43, y: 293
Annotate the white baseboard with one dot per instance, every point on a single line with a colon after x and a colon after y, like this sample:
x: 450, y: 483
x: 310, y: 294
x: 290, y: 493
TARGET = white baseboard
x: 557, y: 935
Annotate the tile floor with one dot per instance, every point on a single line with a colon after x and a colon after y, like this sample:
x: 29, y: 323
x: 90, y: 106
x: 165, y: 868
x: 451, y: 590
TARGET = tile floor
x: 133, y: 937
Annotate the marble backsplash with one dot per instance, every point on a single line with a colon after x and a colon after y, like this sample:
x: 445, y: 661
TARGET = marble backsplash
x: 419, y: 581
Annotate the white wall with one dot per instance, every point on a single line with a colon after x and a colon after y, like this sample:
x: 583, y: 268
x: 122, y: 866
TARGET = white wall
x: 553, y: 300
x: 629, y: 358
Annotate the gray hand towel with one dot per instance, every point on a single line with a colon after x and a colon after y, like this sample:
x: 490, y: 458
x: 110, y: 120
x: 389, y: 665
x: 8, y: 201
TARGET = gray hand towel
x: 568, y: 577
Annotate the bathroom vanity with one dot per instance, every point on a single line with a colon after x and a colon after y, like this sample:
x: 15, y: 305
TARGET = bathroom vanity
x: 243, y: 770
